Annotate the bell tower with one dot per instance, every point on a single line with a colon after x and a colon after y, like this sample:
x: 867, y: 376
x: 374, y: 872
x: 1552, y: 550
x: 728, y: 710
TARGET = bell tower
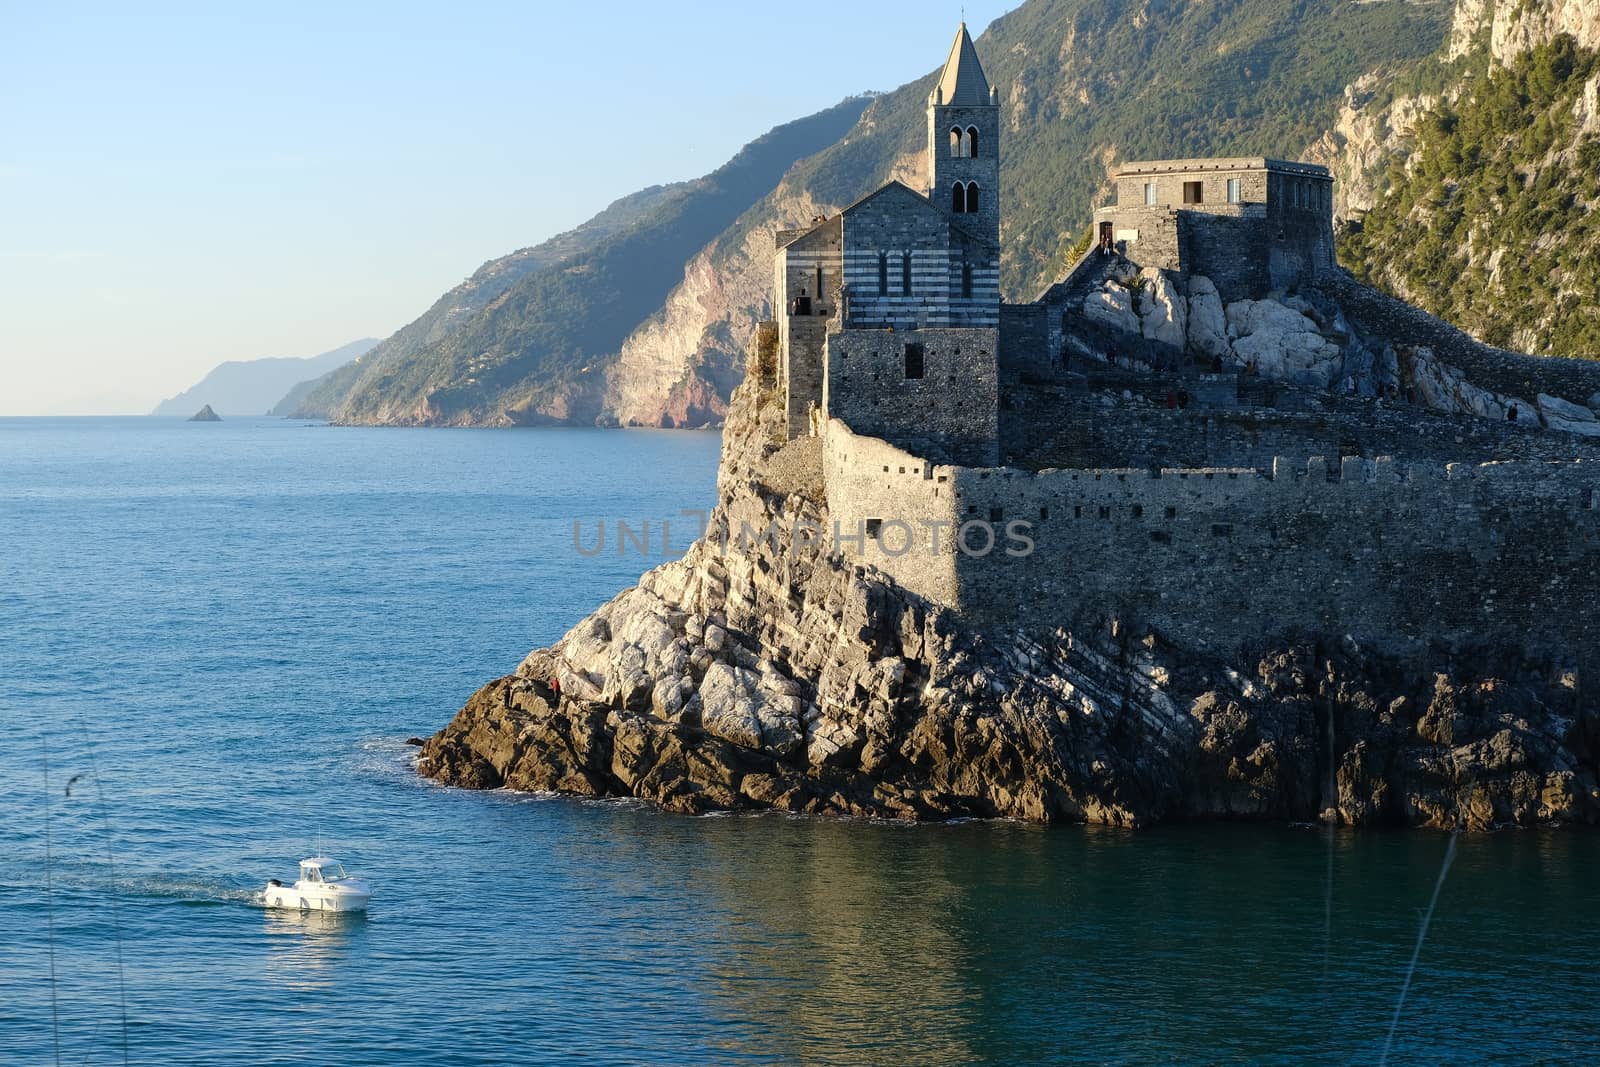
x: 964, y: 141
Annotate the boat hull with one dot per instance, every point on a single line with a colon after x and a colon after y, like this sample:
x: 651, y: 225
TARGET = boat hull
x: 301, y: 899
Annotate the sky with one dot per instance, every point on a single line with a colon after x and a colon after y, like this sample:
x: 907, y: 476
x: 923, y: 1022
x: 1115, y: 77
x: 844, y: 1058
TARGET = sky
x: 184, y: 185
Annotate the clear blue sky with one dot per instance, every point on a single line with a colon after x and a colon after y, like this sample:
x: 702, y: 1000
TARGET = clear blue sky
x: 185, y: 185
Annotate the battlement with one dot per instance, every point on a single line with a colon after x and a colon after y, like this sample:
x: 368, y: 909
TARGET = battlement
x: 1396, y: 554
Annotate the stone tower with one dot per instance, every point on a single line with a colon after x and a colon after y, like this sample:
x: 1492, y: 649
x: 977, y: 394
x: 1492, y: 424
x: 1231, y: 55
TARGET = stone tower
x: 964, y: 141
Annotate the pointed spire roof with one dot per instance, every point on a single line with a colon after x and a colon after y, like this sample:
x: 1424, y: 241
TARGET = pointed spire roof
x: 963, y: 82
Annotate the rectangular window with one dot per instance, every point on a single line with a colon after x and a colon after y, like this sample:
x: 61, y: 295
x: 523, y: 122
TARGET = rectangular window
x: 883, y: 274
x: 874, y: 527
x: 914, y: 360
x: 1235, y: 190
x: 1194, y: 192
x: 1149, y: 194
x: 905, y: 274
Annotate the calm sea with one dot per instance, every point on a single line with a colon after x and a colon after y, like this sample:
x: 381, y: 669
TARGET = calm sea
x: 215, y: 639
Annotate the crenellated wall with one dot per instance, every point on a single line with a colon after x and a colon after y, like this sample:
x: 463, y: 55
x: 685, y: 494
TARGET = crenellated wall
x: 1220, y: 558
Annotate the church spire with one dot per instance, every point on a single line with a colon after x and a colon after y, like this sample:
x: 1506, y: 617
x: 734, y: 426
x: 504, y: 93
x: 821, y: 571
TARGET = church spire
x: 963, y: 82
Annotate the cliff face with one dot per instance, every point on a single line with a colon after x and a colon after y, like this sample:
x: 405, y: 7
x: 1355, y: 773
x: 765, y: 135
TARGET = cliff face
x: 763, y: 670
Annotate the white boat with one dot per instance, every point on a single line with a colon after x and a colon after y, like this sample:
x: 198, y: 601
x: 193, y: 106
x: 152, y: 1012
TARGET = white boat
x: 323, y: 885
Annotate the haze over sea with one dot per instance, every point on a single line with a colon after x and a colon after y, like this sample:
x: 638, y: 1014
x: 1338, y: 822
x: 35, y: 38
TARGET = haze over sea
x: 225, y: 633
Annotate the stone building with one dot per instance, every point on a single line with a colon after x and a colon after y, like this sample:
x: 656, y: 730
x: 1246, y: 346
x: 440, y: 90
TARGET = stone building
x: 1250, y: 225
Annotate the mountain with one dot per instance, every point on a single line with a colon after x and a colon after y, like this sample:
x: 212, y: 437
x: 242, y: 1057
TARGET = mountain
x: 252, y: 386
x: 1485, y: 204
x: 526, y: 340
x: 1084, y: 84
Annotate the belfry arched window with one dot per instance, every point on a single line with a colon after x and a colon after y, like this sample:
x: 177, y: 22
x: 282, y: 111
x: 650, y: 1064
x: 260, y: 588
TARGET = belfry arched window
x: 958, y: 199
x: 955, y: 141
x: 972, y: 198
x: 972, y: 142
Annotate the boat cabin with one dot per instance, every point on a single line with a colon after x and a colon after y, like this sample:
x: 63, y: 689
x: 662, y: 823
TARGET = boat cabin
x: 321, y: 869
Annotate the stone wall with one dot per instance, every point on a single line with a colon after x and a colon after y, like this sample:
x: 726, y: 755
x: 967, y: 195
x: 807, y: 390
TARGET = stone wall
x: 871, y: 483
x: 803, y: 378
x: 1025, y: 349
x: 1223, y: 558
x: 950, y: 412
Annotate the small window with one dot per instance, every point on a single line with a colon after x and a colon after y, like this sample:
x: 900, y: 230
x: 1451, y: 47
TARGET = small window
x: 955, y: 141
x: 966, y: 284
x: 1138, y: 511
x: 1149, y: 194
x: 1194, y: 192
x: 1105, y: 513
x: 958, y: 199
x: 1235, y: 191
x: 996, y: 515
x: 914, y: 360
x: 883, y: 274
x: 905, y: 273
x: 1172, y: 513
x: 874, y: 527
x: 1044, y: 513
x: 972, y: 142
x: 972, y: 198
x: 1222, y: 529
x: 820, y: 278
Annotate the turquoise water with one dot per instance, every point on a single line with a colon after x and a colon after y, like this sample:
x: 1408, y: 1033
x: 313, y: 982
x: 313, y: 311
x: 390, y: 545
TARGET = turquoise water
x: 227, y: 631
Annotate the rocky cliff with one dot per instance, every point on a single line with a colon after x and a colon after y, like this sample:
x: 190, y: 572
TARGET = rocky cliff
x: 764, y: 671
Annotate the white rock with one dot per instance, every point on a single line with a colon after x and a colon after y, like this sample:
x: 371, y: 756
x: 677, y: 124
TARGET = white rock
x: 728, y: 705
x: 1111, y: 306
x: 1553, y: 407
x: 1284, y: 344
x: 1163, y: 312
x: 1207, y: 326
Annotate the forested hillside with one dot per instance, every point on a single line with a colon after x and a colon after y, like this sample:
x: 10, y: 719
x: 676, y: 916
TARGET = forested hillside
x: 1490, y: 220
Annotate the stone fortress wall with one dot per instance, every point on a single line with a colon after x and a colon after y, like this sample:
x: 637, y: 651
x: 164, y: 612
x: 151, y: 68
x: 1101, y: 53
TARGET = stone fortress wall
x: 1396, y: 556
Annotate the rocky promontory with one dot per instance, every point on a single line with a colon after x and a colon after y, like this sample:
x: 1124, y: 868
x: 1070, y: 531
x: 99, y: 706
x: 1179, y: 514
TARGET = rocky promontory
x: 205, y: 414
x: 771, y: 673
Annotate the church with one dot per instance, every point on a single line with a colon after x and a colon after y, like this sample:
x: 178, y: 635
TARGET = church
x: 888, y: 313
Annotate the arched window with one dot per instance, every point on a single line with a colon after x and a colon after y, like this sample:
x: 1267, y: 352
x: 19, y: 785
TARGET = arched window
x: 958, y: 199
x: 966, y: 280
x: 972, y: 198
x: 883, y: 274
x: 955, y: 141
x: 905, y: 273
x: 972, y: 141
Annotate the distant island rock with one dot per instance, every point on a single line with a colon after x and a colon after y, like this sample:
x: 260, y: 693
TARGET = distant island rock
x: 255, y: 386
x: 205, y: 414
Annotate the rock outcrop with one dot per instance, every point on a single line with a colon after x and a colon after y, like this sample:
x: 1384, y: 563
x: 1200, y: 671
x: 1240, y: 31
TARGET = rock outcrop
x: 205, y: 414
x: 763, y: 671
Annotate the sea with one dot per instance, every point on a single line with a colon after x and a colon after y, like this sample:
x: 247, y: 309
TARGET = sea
x: 215, y: 640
